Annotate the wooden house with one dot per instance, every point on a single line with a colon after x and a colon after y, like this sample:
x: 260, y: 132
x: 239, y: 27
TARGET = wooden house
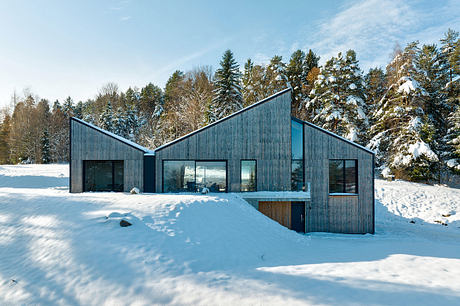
x: 296, y: 173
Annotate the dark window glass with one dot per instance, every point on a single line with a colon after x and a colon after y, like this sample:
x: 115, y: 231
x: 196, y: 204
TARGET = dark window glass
x: 343, y: 176
x: 336, y: 176
x: 103, y: 175
x: 118, y: 176
x: 248, y: 175
x: 212, y: 175
x: 179, y: 176
x: 297, y: 181
x: 296, y: 140
x: 351, y: 176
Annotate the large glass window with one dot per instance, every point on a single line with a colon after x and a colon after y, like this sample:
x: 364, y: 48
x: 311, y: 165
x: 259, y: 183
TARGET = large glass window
x: 103, y: 175
x: 191, y: 176
x: 179, y: 176
x: 297, y: 166
x: 212, y: 175
x: 248, y: 175
x: 343, y: 176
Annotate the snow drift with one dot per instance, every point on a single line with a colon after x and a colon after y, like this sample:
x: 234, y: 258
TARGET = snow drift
x: 61, y: 248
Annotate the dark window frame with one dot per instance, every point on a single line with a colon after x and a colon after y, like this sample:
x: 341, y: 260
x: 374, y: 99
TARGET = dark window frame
x: 112, y: 161
x: 194, y: 161
x: 241, y: 173
x: 344, y: 176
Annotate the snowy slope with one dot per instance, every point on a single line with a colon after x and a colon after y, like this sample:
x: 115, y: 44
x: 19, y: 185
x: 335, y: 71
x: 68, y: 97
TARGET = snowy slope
x: 61, y: 248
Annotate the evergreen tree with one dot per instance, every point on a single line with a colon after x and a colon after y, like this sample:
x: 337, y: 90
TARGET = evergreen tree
x: 120, y: 123
x: 375, y: 87
x: 337, y: 101
x: 45, y: 147
x: 403, y: 131
x: 450, y: 93
x: 5, y: 128
x: 67, y: 107
x: 106, y: 118
x: 254, y: 83
x: 227, y: 90
x: 296, y: 72
x: 453, y: 158
x: 78, y: 110
x: 275, y: 76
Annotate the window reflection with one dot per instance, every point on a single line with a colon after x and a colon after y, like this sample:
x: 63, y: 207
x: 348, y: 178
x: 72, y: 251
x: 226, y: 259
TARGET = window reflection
x: 248, y: 175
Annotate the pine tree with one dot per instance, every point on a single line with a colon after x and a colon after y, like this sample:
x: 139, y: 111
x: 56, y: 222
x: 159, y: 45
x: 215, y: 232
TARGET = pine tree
x: 45, y: 147
x: 120, y: 123
x: 296, y: 72
x: 450, y: 93
x: 106, y: 118
x: 5, y: 128
x: 375, y: 89
x: 275, y: 76
x: 78, y: 110
x: 337, y: 101
x: 227, y: 93
x: 254, y: 83
x: 403, y: 132
x: 68, y: 108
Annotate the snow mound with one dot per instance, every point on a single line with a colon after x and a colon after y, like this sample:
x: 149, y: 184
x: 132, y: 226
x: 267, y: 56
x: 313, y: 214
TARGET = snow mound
x: 193, y: 249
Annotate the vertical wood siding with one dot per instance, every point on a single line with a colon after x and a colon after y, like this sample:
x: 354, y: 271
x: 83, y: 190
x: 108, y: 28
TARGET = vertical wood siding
x: 280, y: 211
x: 341, y: 214
x: 90, y: 144
x: 262, y: 133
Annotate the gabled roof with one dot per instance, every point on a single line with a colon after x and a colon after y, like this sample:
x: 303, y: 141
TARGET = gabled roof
x: 116, y: 137
x: 335, y: 135
x: 223, y: 119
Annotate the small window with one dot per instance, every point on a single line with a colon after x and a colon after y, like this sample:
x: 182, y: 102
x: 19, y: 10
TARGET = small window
x: 248, y: 175
x: 343, y: 176
x: 297, y: 177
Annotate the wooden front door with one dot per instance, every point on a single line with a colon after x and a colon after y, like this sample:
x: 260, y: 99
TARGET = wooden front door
x: 278, y: 211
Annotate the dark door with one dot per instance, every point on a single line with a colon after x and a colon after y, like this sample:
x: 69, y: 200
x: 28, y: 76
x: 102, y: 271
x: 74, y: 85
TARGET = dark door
x: 298, y: 216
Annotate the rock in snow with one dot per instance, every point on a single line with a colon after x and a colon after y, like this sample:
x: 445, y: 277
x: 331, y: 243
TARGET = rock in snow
x: 135, y: 190
x: 124, y: 223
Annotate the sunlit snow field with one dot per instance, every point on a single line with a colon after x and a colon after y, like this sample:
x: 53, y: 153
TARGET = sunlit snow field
x: 67, y: 249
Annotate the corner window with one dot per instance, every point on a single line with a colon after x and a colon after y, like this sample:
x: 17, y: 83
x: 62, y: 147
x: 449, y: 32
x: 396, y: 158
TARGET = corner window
x: 248, y: 175
x: 343, y: 176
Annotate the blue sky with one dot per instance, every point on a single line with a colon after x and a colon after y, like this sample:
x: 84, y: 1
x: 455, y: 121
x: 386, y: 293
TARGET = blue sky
x: 61, y: 48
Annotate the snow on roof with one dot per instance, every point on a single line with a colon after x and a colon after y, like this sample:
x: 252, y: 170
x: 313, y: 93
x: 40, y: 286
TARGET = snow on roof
x: 225, y: 118
x: 124, y: 140
x: 337, y: 136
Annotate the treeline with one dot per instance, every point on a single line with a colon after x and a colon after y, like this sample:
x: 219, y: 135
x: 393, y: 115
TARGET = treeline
x: 408, y: 113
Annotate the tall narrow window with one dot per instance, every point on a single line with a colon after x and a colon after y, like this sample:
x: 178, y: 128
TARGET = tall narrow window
x: 343, y: 176
x: 248, y: 175
x: 297, y: 164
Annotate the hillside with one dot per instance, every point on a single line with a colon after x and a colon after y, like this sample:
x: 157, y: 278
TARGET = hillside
x: 61, y: 248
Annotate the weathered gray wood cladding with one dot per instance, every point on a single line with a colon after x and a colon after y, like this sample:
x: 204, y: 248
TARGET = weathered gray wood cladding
x: 341, y: 214
x: 261, y: 132
x: 88, y: 143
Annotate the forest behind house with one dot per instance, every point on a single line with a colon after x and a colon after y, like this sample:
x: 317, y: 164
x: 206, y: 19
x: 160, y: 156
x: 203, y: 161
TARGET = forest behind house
x: 408, y: 113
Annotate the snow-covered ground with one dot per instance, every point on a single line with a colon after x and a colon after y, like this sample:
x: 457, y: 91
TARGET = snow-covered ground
x: 61, y: 248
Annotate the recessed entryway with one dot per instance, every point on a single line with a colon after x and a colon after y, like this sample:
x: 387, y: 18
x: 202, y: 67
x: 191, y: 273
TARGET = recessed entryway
x: 286, y: 213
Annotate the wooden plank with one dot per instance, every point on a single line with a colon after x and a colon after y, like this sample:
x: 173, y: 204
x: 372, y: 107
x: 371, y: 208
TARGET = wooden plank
x: 280, y: 211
